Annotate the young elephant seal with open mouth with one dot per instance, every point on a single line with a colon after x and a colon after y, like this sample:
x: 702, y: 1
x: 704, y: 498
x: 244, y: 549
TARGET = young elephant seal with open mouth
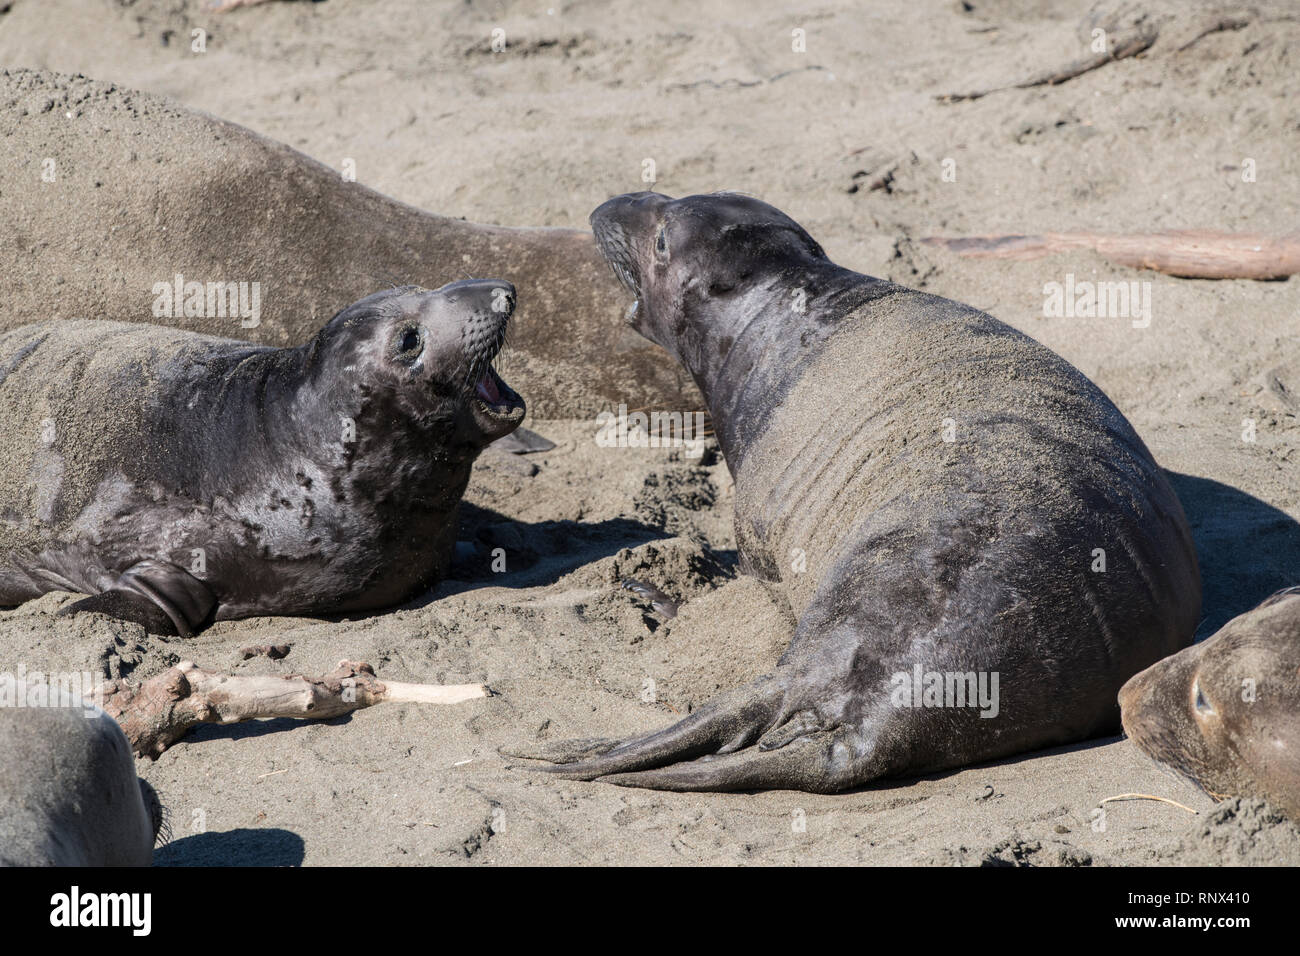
x: 1226, y: 712
x: 180, y: 478
x: 977, y: 547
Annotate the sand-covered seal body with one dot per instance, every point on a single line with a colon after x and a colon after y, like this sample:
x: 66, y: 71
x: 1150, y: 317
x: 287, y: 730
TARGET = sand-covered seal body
x: 69, y: 794
x: 164, y: 194
x: 1225, y: 713
x: 166, y: 471
x: 977, y: 547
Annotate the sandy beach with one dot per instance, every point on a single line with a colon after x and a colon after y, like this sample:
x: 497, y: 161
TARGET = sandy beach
x: 852, y: 138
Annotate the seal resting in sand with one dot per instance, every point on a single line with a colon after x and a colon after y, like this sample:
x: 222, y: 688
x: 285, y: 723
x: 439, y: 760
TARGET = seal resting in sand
x: 1225, y: 713
x: 144, y: 191
x: 69, y: 795
x: 977, y: 548
x: 180, y: 478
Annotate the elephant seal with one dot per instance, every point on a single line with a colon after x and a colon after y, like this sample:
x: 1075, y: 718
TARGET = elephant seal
x: 976, y: 546
x: 69, y: 795
x: 1225, y: 713
x: 180, y: 478
x: 114, y: 195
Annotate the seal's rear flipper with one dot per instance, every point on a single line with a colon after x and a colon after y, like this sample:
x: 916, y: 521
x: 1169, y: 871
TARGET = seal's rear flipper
x: 564, y: 751
x: 744, y: 739
x: 801, y: 766
x: 157, y: 595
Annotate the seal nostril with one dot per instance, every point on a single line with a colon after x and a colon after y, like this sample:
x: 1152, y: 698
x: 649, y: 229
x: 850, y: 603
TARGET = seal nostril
x: 1202, y: 705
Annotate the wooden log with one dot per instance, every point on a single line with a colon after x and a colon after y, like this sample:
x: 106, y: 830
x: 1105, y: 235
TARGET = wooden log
x: 166, y: 707
x: 1188, y: 253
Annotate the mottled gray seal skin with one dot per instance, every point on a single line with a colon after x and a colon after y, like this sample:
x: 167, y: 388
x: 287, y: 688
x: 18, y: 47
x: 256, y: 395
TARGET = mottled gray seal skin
x: 930, y: 489
x: 69, y: 795
x: 179, y: 478
x: 1225, y: 713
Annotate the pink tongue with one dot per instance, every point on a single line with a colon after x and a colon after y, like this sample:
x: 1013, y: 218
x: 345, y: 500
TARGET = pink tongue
x: 487, y: 389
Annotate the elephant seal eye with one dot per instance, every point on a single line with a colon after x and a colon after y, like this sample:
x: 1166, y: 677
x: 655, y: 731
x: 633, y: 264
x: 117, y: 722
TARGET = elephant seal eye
x: 409, y: 340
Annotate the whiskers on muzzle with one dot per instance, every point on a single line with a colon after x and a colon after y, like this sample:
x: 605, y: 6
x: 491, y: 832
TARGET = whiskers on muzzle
x: 613, y: 243
x: 484, y: 352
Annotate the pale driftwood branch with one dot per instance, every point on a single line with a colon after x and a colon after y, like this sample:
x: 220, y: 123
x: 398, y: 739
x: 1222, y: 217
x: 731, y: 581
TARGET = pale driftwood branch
x: 1147, y: 796
x: 165, y: 708
x: 1189, y: 253
x: 1128, y: 46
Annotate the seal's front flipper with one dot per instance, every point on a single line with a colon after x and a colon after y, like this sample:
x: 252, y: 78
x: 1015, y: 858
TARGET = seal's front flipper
x: 125, y: 606
x: 157, y: 595
x: 521, y: 441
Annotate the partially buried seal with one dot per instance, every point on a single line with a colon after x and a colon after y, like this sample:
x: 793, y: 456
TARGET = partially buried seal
x: 1226, y: 712
x: 977, y: 547
x: 69, y: 795
x: 180, y: 478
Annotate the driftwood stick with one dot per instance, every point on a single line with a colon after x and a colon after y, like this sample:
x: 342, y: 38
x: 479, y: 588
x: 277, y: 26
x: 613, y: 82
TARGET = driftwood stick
x: 166, y: 707
x: 1189, y: 253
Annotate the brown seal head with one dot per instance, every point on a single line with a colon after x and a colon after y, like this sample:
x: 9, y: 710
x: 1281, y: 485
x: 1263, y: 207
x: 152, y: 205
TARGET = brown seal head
x: 1226, y: 712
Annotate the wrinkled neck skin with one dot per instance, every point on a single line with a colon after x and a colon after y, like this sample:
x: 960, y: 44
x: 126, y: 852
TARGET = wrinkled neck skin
x: 744, y: 351
x: 286, y: 413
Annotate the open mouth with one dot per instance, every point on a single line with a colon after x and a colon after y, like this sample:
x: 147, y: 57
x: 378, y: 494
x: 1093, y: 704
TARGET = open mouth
x: 497, y: 400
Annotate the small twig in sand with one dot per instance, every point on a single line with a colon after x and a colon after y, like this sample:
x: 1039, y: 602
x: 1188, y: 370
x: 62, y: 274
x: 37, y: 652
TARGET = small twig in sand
x: 1189, y: 253
x: 166, y: 707
x: 1220, y: 25
x: 225, y: 6
x: 1125, y: 47
x: 1147, y: 796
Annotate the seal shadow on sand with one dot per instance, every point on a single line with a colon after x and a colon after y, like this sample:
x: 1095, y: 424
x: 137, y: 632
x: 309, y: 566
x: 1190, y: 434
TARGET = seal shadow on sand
x: 1247, y: 549
x: 538, y: 553
x: 243, y: 847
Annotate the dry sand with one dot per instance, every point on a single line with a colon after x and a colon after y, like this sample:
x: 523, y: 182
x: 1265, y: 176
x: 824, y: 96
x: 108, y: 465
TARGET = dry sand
x: 539, y: 135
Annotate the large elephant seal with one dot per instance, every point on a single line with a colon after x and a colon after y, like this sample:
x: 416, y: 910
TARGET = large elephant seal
x: 180, y: 478
x: 109, y: 194
x: 1226, y: 712
x: 977, y: 547
x: 69, y: 795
